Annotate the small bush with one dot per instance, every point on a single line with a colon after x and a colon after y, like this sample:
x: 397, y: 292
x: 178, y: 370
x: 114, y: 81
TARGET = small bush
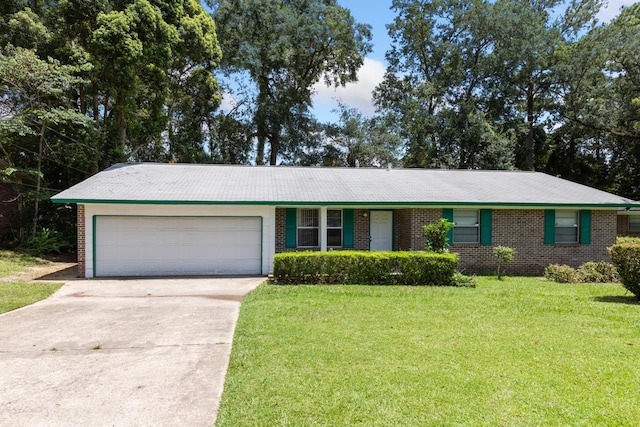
x: 589, y: 272
x: 561, y: 274
x: 626, y: 258
x: 435, y: 235
x: 461, y: 280
x: 505, y: 255
x: 366, y: 268
x: 597, y: 272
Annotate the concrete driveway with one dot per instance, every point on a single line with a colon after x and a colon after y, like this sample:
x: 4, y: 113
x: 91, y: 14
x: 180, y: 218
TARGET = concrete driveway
x: 120, y: 353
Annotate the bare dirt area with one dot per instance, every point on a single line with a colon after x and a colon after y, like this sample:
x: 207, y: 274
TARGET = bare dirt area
x: 56, y: 270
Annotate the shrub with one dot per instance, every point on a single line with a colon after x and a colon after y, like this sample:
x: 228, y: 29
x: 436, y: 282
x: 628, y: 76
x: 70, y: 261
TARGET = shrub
x: 45, y: 242
x: 627, y: 239
x: 435, y: 235
x: 598, y: 272
x: 626, y: 258
x: 461, y: 280
x: 561, y: 274
x: 504, y: 254
x: 366, y: 268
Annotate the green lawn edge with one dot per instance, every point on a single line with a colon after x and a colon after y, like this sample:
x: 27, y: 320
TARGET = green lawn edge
x: 519, y: 351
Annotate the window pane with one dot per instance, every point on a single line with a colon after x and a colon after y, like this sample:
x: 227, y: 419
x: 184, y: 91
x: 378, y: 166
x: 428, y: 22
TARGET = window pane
x: 308, y: 218
x: 566, y: 218
x: 566, y: 234
x: 634, y: 223
x: 465, y: 235
x: 334, y: 237
x: 308, y: 237
x: 465, y: 217
x: 334, y: 218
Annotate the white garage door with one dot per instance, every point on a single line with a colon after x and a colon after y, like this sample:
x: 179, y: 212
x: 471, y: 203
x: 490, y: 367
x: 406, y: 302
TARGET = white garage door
x: 165, y: 246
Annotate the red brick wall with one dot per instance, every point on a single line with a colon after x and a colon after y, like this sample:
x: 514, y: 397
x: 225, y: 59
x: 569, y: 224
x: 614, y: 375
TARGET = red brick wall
x: 520, y: 229
x: 81, y: 241
x: 623, y: 227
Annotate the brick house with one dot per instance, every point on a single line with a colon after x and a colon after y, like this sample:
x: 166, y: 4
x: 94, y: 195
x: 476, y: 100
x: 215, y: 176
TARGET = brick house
x: 176, y: 219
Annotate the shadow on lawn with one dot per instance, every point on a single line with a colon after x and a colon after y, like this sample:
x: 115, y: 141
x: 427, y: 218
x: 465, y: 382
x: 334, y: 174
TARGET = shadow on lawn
x: 619, y: 299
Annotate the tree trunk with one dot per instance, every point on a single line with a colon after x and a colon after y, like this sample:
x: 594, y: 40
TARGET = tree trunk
x: 38, y: 179
x: 530, y: 143
x: 261, y: 120
x: 275, y: 146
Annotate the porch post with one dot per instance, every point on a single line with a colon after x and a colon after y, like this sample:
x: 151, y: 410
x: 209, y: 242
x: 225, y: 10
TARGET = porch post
x: 323, y: 228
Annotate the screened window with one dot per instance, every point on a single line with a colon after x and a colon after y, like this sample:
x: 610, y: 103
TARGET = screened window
x: 467, y: 226
x: 308, y: 228
x: 334, y: 228
x: 566, y: 226
x: 634, y: 224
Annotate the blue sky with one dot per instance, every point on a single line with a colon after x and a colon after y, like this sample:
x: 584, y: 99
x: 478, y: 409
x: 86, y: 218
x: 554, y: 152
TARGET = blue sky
x: 377, y: 13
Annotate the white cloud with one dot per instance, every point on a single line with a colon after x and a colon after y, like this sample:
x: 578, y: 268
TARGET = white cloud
x: 612, y: 9
x: 357, y: 94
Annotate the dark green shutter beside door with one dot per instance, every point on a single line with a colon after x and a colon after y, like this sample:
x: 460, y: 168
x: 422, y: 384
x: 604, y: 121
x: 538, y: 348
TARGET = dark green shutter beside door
x: 585, y: 227
x: 549, y: 227
x: 485, y: 226
x: 347, y: 228
x: 290, y: 228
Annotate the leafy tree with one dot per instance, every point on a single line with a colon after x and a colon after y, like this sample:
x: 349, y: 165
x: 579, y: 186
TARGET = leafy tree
x: 466, y: 79
x: 504, y: 255
x: 286, y: 47
x: 359, y: 141
x: 33, y: 101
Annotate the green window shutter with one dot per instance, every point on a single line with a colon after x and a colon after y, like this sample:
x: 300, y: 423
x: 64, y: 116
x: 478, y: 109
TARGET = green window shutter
x: 549, y: 226
x: 485, y: 226
x: 291, y: 228
x: 585, y: 227
x: 448, y: 215
x: 347, y: 228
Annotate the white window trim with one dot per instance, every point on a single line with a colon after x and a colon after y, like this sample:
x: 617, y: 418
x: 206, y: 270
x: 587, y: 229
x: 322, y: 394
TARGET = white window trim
x: 575, y: 226
x: 300, y: 227
x: 476, y: 226
x: 322, y: 228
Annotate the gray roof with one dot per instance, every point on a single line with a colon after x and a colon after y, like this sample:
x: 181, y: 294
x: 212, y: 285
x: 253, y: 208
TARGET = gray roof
x: 279, y: 185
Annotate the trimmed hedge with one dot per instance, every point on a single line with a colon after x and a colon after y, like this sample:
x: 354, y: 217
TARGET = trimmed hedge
x: 365, y: 268
x: 626, y: 258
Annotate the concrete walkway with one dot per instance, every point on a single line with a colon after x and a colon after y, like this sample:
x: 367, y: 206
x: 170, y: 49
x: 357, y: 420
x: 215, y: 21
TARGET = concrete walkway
x: 120, y: 353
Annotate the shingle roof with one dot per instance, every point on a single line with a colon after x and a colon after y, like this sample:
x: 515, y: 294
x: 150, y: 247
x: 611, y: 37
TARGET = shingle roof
x: 225, y: 184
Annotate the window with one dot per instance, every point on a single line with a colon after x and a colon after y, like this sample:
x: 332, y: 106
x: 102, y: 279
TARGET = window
x: 467, y: 226
x: 634, y: 224
x: 566, y: 230
x: 308, y: 228
x: 334, y: 228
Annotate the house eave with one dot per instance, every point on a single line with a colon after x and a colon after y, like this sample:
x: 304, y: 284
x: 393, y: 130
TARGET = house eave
x: 399, y: 204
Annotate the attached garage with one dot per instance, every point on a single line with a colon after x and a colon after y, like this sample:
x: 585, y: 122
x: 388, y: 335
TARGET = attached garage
x: 177, y: 246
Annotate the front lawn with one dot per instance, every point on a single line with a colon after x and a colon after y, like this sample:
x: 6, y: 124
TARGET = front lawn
x: 518, y: 352
x: 16, y: 293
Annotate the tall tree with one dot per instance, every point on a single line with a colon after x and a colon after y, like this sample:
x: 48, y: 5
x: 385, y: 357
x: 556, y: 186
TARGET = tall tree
x: 466, y: 79
x: 286, y: 46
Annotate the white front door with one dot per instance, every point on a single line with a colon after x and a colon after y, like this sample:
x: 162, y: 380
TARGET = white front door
x: 381, y: 229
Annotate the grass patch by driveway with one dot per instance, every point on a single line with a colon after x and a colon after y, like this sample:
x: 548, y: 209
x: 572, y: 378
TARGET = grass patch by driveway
x: 17, y: 293
x: 515, y: 352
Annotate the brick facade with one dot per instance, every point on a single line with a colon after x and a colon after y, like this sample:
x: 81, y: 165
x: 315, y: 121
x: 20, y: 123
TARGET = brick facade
x: 623, y: 227
x: 81, y: 241
x: 520, y: 229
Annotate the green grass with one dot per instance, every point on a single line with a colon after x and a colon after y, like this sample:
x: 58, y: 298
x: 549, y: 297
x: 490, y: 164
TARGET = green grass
x: 13, y: 262
x: 516, y: 352
x: 16, y: 294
